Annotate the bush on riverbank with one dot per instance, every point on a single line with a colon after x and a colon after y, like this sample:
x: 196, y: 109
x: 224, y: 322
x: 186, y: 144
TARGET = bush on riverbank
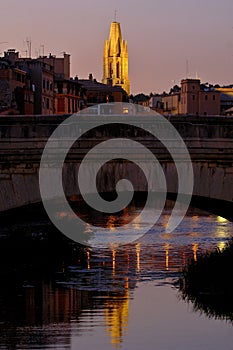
x: 212, y: 272
x: 208, y: 283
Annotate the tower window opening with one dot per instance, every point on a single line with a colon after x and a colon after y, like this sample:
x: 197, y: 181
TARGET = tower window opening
x: 110, y: 70
x: 118, y: 70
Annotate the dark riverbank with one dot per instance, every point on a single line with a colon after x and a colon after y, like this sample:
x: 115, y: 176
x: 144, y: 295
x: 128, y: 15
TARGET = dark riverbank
x: 208, y: 283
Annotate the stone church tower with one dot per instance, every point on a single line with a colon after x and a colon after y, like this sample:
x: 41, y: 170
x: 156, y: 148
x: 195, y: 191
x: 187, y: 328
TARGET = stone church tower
x: 115, y: 59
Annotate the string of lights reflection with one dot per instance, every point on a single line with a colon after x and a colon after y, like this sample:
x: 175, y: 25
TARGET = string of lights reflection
x: 133, y: 257
x: 111, y: 225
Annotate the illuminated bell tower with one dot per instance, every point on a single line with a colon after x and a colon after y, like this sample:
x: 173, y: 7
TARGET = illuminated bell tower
x: 115, y: 59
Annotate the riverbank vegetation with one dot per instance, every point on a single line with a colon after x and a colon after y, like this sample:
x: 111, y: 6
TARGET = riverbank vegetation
x: 208, y: 283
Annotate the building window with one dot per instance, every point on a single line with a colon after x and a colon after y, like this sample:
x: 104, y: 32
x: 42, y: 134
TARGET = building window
x: 61, y: 105
x: 118, y: 70
x: 43, y: 83
x: 213, y: 97
x: 193, y: 97
x: 60, y: 88
x: 206, y: 97
x: 193, y: 87
x: 47, y: 103
x: 47, y: 85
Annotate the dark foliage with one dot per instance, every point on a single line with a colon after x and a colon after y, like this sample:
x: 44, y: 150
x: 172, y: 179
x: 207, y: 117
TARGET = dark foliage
x: 208, y: 283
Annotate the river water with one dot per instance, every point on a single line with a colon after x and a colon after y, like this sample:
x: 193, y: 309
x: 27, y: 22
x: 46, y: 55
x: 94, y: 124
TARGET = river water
x: 103, y: 299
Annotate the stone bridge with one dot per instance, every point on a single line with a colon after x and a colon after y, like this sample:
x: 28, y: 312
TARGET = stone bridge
x: 209, y: 141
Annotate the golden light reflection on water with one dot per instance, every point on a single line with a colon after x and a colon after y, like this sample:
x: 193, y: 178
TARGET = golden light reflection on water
x: 165, y: 220
x: 138, y: 251
x: 221, y: 233
x: 88, y: 260
x: 195, y: 218
x: 137, y: 223
x: 221, y: 219
x: 116, y: 313
x: 220, y: 230
x: 113, y: 262
x: 221, y: 246
x: 116, y: 309
x: 113, y: 276
x: 195, y: 249
x: 111, y: 223
x: 166, y: 236
x: 166, y: 248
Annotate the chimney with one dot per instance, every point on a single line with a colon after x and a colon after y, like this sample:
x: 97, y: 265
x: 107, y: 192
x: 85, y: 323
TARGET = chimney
x: 90, y: 77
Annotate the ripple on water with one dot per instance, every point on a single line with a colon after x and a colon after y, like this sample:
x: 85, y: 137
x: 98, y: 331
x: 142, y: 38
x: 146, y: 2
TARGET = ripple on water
x: 91, y: 297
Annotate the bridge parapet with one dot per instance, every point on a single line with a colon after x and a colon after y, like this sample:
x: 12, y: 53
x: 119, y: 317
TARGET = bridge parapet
x: 22, y: 140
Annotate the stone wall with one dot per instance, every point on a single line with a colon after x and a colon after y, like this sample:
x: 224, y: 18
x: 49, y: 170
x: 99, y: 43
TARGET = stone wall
x: 22, y: 139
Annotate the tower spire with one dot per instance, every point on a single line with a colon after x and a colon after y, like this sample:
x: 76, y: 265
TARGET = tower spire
x: 115, y: 15
x: 115, y: 59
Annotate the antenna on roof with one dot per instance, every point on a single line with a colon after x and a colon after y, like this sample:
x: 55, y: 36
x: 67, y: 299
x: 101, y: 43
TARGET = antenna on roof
x: 42, y: 46
x: 26, y: 52
x: 29, y: 46
x: 115, y: 15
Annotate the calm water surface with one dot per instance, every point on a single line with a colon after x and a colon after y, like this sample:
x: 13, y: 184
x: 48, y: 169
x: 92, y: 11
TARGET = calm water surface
x: 110, y: 298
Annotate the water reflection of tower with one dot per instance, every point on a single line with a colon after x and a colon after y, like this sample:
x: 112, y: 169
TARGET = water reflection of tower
x: 117, y: 307
x: 117, y: 317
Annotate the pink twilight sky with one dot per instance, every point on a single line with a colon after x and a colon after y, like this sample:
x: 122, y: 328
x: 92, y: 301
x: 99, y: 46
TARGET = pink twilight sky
x: 162, y: 36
